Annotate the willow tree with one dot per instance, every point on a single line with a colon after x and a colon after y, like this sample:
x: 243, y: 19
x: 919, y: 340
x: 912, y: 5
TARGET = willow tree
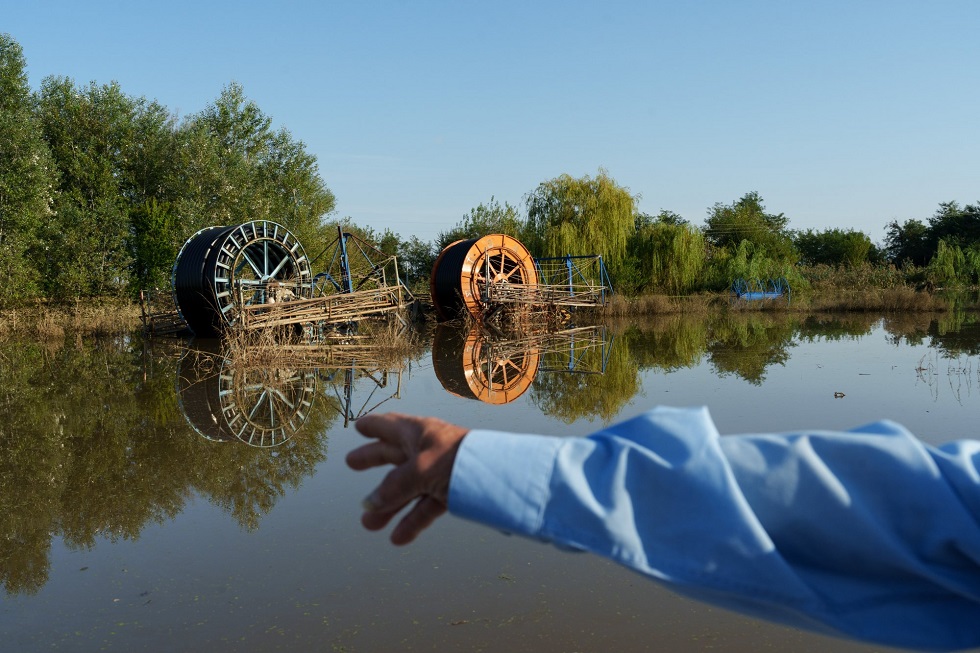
x: 667, y: 255
x: 589, y: 215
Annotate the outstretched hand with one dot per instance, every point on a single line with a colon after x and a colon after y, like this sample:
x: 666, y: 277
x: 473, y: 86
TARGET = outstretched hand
x: 423, y: 450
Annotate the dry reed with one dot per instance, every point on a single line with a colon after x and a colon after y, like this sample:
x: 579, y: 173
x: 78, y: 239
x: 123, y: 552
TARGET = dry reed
x: 376, y: 342
x: 54, y: 322
x: 899, y: 299
x: 620, y: 306
x: 881, y: 300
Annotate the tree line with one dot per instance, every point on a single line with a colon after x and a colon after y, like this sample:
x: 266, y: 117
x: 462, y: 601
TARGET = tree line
x: 99, y: 190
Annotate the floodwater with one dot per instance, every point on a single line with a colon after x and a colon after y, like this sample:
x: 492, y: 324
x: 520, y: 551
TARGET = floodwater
x: 153, y: 499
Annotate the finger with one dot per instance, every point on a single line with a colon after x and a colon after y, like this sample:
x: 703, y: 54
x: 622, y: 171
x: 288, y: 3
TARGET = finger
x: 425, y: 511
x: 399, y: 487
x: 375, y: 454
x: 375, y: 520
x: 389, y: 427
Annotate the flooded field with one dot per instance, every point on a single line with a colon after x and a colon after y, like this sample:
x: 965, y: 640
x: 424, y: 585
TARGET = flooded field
x: 158, y: 496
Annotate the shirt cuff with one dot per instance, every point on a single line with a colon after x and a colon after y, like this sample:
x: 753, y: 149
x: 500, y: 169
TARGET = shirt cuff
x: 502, y: 479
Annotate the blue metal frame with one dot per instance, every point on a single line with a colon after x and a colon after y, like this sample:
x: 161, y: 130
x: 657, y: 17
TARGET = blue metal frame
x: 574, y: 272
x: 757, y: 289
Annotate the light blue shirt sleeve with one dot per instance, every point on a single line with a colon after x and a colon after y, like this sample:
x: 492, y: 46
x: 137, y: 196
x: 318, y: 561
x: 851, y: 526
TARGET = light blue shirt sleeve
x: 867, y: 533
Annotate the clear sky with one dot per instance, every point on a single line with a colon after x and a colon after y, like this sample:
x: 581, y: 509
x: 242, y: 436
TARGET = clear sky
x: 843, y: 114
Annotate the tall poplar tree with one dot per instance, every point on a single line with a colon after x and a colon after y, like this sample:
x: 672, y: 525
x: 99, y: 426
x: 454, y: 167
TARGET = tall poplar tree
x: 237, y: 168
x: 27, y: 179
x: 91, y: 136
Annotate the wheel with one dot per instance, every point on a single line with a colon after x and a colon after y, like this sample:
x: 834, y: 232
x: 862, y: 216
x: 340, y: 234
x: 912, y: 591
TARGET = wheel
x: 262, y: 406
x: 465, y: 268
x: 220, y: 268
x: 475, y: 367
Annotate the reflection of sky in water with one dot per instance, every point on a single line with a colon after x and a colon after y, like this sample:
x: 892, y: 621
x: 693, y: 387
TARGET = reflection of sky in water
x: 878, y: 379
x: 309, y: 578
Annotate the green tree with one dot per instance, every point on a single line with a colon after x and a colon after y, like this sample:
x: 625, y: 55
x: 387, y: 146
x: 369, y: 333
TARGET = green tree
x: 417, y: 258
x: 489, y: 218
x: 589, y: 215
x: 89, y: 131
x: 746, y: 219
x: 665, y: 217
x: 833, y: 247
x: 237, y: 168
x: 955, y: 225
x: 27, y: 179
x: 907, y: 242
x: 952, y: 265
x: 153, y: 244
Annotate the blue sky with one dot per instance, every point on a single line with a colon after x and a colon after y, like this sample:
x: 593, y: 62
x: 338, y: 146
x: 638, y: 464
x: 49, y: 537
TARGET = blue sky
x: 840, y: 114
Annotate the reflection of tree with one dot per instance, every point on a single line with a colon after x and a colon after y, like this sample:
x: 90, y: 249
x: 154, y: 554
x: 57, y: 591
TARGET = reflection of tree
x: 92, y: 448
x: 746, y: 346
x: 836, y: 327
x: 30, y: 483
x: 571, y: 396
x: 956, y: 334
x: 668, y: 342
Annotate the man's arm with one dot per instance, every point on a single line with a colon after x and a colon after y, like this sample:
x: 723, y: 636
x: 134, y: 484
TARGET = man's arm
x: 869, y: 534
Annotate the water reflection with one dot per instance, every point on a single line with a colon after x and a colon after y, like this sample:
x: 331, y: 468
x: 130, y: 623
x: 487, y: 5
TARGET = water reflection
x: 361, y: 386
x: 497, y: 368
x: 475, y: 365
x: 259, y: 405
x: 102, y: 438
x: 96, y: 447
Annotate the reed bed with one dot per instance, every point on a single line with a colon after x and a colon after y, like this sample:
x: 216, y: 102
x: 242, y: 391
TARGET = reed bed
x: 827, y: 294
x: 620, y: 306
x: 880, y: 300
x: 380, y: 343
x: 897, y: 299
x: 54, y: 322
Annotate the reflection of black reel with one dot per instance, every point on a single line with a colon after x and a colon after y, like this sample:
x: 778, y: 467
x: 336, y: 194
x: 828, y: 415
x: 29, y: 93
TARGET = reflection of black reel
x: 259, y: 406
x: 264, y: 406
x: 197, y: 395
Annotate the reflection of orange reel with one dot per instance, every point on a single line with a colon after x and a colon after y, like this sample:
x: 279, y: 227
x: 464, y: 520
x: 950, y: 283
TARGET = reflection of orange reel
x: 464, y: 269
x: 475, y: 368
